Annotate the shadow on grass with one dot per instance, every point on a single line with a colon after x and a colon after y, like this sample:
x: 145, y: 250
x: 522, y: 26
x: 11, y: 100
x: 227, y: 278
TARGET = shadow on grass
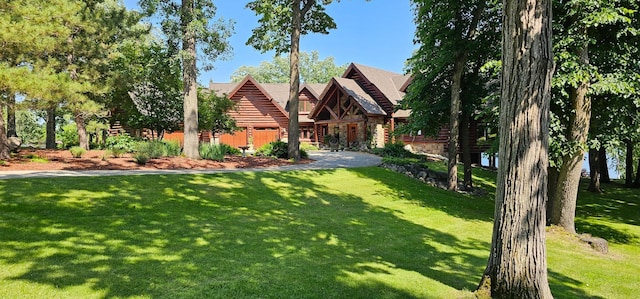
x: 235, y: 235
x: 566, y: 287
x: 617, y: 205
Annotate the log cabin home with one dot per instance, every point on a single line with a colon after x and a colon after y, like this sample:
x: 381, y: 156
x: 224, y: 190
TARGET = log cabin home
x: 358, y: 111
x: 262, y: 114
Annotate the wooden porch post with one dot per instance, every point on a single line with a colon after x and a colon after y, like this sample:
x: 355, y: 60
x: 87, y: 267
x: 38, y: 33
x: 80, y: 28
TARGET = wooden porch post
x: 315, y: 134
x: 393, y: 128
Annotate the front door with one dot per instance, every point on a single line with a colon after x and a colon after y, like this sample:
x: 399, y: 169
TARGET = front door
x: 352, y: 134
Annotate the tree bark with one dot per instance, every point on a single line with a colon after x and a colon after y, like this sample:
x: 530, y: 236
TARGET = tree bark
x: 628, y: 174
x: 11, y: 115
x: 594, y: 171
x: 293, y: 146
x: 4, y: 143
x: 50, y: 142
x: 83, y: 140
x: 636, y: 182
x: 566, y: 192
x: 466, y: 149
x: 604, y: 167
x: 456, y: 102
x: 454, y: 121
x: 517, y: 266
x: 190, y: 92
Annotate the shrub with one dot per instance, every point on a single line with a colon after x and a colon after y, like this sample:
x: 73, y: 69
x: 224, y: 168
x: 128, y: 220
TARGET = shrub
x: 117, y: 152
x: 68, y: 136
x: 304, y: 146
x: 77, y: 151
x: 276, y: 149
x: 122, y: 142
x: 280, y: 150
x: 393, y: 150
x: 172, y: 148
x: 151, y: 149
x: 230, y: 150
x: 141, y: 158
x: 212, y: 152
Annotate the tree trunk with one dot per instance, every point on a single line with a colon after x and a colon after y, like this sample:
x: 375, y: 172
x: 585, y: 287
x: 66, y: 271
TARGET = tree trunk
x: 594, y: 171
x: 4, y: 143
x: 628, y: 174
x: 566, y: 193
x: 636, y: 182
x: 456, y: 103
x: 454, y: 121
x: 11, y: 115
x: 466, y: 149
x: 517, y: 266
x: 604, y: 166
x: 50, y: 142
x: 294, y: 83
x: 552, y: 180
x: 83, y: 140
x: 190, y: 91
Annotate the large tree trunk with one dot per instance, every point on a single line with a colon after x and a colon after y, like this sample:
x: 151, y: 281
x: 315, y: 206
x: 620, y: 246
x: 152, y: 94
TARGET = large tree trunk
x: 566, y: 193
x: 466, y: 149
x: 4, y: 143
x: 594, y: 171
x: 636, y: 182
x: 454, y: 121
x: 50, y: 142
x: 294, y: 83
x: 628, y: 174
x: 11, y: 115
x: 83, y: 140
x: 604, y: 167
x: 456, y: 102
x: 190, y: 91
x: 517, y: 266
x: 552, y: 184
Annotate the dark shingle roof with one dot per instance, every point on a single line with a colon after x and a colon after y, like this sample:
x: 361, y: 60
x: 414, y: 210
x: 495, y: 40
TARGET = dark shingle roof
x: 389, y: 83
x: 354, y: 90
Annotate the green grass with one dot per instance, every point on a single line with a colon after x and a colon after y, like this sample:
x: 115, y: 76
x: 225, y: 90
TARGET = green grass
x: 360, y: 233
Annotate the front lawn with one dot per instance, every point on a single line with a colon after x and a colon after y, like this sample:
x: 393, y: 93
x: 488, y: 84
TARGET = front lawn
x: 359, y: 233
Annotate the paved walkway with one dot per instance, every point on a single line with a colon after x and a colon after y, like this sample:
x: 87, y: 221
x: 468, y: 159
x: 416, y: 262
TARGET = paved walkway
x: 323, y: 160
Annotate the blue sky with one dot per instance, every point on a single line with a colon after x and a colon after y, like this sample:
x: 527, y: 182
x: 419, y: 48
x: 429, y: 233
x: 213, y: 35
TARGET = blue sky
x: 377, y: 33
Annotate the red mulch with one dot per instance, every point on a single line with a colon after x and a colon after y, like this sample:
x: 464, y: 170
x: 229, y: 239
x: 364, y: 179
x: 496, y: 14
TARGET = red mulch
x: 98, y: 160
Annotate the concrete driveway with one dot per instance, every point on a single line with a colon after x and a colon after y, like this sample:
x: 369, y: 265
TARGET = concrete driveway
x: 323, y: 160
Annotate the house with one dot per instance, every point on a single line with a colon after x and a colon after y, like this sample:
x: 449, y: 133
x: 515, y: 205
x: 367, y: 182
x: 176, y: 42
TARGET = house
x: 358, y: 109
x: 261, y: 111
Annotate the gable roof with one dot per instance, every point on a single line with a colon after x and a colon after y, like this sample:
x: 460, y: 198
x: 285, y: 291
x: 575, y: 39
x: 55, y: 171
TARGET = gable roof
x: 316, y: 89
x: 222, y: 88
x: 353, y: 89
x: 260, y: 87
x: 279, y: 92
x: 365, y: 101
x: 390, y: 84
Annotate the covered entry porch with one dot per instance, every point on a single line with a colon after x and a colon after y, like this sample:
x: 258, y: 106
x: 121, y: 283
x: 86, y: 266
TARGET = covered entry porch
x: 348, y: 117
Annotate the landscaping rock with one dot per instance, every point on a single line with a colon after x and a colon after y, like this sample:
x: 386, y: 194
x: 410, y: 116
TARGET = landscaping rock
x: 598, y: 244
x: 431, y: 177
x: 14, y: 143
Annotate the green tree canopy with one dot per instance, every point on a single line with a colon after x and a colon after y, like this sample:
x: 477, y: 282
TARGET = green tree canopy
x: 189, y: 25
x: 456, y: 38
x: 214, y: 113
x: 282, y: 23
x: 312, y: 69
